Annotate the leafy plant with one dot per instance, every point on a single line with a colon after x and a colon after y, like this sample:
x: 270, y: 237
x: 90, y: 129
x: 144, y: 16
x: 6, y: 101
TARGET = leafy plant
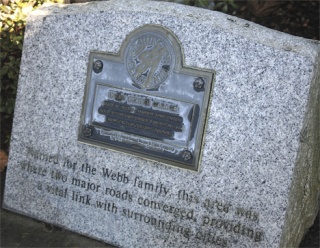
x: 223, y: 5
x: 226, y: 6
x: 12, y: 25
x: 201, y: 3
x: 12, y: 19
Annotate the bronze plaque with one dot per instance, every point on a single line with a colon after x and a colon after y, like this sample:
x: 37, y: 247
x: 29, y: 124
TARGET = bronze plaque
x: 145, y: 102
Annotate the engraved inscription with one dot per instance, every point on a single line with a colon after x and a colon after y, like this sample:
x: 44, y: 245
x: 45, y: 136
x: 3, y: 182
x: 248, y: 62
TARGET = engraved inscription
x: 154, y: 203
x: 143, y: 100
x: 146, y: 143
x: 154, y: 124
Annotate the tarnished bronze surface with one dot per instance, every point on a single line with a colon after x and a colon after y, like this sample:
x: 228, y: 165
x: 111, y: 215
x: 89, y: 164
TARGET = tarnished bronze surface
x: 145, y: 102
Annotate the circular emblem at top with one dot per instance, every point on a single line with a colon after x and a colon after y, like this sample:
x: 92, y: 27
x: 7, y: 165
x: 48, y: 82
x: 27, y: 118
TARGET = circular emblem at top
x: 149, y: 60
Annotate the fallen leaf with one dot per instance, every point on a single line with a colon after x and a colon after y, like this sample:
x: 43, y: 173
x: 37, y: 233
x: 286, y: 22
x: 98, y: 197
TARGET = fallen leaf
x: 3, y: 160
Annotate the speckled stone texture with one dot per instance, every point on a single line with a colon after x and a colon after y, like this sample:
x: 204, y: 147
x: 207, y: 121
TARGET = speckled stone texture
x: 258, y: 183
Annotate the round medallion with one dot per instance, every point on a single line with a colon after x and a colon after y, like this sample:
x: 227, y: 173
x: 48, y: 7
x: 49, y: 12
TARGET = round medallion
x: 149, y: 60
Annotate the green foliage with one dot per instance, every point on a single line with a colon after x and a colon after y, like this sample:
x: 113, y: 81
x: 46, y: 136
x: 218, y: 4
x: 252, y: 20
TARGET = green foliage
x: 201, y: 3
x: 12, y: 25
x: 12, y: 22
x: 226, y: 6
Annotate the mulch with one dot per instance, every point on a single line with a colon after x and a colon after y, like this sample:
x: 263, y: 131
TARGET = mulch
x: 299, y: 18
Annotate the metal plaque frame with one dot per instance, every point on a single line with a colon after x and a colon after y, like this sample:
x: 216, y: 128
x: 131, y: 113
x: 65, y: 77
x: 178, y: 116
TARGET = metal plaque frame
x: 145, y: 102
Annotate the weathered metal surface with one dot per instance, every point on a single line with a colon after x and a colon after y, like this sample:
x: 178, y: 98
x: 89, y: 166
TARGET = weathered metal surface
x: 144, y: 101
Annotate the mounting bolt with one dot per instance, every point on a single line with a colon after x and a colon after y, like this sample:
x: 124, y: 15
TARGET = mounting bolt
x: 97, y: 66
x: 87, y: 131
x: 186, y: 155
x: 198, y: 84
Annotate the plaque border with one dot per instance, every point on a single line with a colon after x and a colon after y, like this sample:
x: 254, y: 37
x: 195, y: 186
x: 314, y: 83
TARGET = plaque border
x: 180, y: 67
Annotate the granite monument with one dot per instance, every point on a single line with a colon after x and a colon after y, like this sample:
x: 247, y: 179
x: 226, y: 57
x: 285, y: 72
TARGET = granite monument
x: 151, y: 124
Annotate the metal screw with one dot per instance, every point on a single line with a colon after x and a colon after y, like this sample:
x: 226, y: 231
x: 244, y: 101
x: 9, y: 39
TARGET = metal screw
x: 198, y: 84
x: 186, y: 155
x: 97, y: 66
x: 87, y: 131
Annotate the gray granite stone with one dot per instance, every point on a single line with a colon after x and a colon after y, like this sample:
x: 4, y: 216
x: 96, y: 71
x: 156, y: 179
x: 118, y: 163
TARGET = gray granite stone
x: 258, y: 182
